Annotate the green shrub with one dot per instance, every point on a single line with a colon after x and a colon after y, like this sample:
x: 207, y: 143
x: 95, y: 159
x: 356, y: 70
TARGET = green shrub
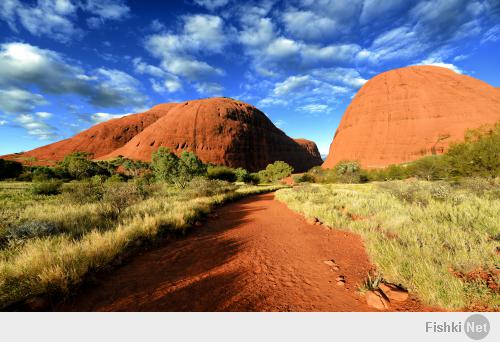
x: 79, y: 166
x: 221, y: 173
x: 347, y: 172
x: 275, y: 172
x: 50, y: 187
x: 120, y: 196
x: 202, y: 187
x: 304, y: 178
x: 32, y: 229
x: 10, y: 169
x: 116, y: 178
x: 175, y: 170
x: 43, y: 173
x: 81, y: 192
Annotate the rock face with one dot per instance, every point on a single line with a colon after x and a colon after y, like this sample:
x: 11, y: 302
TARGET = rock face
x: 222, y: 131
x: 404, y: 114
x: 219, y: 130
x: 100, y: 139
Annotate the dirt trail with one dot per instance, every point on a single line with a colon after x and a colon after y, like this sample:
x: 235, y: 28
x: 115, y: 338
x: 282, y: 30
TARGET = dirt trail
x: 253, y: 255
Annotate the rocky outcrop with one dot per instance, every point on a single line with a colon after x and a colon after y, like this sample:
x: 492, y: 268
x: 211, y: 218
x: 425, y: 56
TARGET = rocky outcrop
x: 404, y: 114
x: 98, y: 140
x: 219, y: 130
x: 222, y: 131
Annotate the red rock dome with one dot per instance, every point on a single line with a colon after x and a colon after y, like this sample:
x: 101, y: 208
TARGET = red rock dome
x: 404, y: 114
x: 98, y: 140
x: 221, y: 131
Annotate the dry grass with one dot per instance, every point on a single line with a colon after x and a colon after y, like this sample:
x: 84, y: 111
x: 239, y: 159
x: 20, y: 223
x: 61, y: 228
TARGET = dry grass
x: 90, y: 236
x: 417, y: 233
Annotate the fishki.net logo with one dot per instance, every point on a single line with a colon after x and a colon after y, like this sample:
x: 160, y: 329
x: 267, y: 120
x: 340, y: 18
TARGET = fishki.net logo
x: 475, y: 327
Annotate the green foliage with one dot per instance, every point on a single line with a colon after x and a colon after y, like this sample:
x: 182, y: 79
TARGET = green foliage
x: 275, y: 172
x: 347, y: 172
x: 478, y: 156
x: 81, y: 192
x: 116, y: 178
x: 222, y: 173
x: 133, y: 167
x: 49, y: 187
x: 304, y: 178
x: 79, y: 166
x: 175, y: 170
x: 203, y: 187
x: 32, y: 229
x: 10, y: 169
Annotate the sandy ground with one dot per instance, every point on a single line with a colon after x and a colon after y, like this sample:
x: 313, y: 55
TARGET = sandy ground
x: 252, y: 255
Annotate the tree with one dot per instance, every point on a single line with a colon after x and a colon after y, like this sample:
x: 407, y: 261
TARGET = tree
x: 79, y: 166
x: 347, y: 172
x: 10, y: 169
x: 169, y: 168
x: 275, y: 171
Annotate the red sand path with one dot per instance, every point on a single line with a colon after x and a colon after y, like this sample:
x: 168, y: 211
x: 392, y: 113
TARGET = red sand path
x: 253, y: 255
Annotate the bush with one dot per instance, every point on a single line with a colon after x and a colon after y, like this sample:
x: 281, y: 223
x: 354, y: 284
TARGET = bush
x: 10, y: 169
x: 478, y: 155
x: 347, y: 172
x: 43, y: 173
x: 304, y: 178
x: 116, y: 178
x: 81, y: 192
x: 275, y: 172
x: 202, y: 187
x: 32, y: 229
x: 221, y: 173
x: 120, y: 196
x: 79, y: 166
x: 50, y: 187
x: 175, y: 170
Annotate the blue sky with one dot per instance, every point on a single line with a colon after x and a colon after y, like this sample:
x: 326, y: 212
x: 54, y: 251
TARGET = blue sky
x: 68, y: 64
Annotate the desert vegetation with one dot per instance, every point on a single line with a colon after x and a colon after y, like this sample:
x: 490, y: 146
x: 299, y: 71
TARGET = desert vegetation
x: 478, y: 156
x: 66, y: 221
x: 430, y: 225
x: 440, y: 241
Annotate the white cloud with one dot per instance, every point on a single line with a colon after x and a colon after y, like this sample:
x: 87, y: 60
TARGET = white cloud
x: 157, y: 25
x: 209, y: 88
x: 280, y: 123
x: 440, y: 63
x: 492, y: 35
x: 102, y: 117
x: 344, y: 76
x: 23, y: 66
x: 272, y: 53
x: 305, y: 84
x: 3, y: 122
x: 35, y: 126
x: 201, y: 35
x: 106, y: 9
x: 211, y: 4
x: 14, y: 100
x: 43, y: 115
x: 308, y: 25
x: 315, y: 108
x: 56, y: 19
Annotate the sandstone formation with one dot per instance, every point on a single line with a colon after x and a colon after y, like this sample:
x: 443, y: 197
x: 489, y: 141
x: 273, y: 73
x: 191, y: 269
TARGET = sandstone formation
x: 98, y: 140
x: 220, y: 131
x: 404, y: 114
